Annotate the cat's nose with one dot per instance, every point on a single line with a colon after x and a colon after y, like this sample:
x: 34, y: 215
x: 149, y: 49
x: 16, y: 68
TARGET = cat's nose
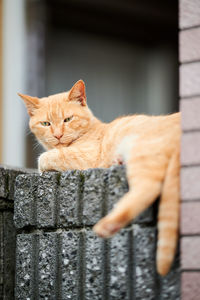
x: 58, y: 136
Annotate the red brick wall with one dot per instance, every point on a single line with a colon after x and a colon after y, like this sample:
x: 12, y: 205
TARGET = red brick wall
x: 189, y: 55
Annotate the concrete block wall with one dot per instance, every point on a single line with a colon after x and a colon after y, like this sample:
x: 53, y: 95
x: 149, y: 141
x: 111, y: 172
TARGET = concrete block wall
x: 189, y: 55
x: 7, y: 232
x: 59, y: 257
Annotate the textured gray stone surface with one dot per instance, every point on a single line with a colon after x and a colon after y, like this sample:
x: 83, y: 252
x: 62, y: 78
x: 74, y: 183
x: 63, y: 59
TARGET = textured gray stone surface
x: 7, y: 255
x: 144, y: 250
x: 25, y: 267
x: 93, y: 266
x: 93, y: 195
x: 73, y: 198
x: 7, y: 180
x: 120, y: 264
x: 58, y: 255
x: 25, y: 200
x: 69, y: 202
x: 70, y: 264
x: 47, y: 265
x: 75, y: 264
x: 46, y: 199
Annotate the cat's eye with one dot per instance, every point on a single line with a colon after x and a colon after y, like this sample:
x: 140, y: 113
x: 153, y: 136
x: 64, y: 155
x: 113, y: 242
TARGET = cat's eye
x: 45, y: 123
x: 68, y: 119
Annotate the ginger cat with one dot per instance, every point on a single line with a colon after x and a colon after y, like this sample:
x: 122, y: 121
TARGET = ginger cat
x: 148, y: 145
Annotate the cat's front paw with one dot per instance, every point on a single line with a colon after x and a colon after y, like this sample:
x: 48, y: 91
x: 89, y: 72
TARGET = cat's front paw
x: 49, y: 161
x: 43, y: 162
x: 107, y: 227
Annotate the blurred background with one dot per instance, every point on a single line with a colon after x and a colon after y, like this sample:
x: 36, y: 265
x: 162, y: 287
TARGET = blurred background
x: 126, y: 51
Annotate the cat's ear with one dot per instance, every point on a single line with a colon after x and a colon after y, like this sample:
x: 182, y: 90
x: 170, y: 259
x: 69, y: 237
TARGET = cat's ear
x: 77, y: 93
x: 30, y: 102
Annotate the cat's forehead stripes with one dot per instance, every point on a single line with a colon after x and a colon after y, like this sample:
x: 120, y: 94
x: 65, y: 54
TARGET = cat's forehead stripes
x: 55, y: 111
x: 55, y: 106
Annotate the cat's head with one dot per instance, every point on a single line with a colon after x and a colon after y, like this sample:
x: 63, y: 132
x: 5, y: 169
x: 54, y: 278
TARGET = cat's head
x: 60, y: 119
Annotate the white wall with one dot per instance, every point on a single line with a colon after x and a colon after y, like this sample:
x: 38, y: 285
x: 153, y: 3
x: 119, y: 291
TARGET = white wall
x: 14, y: 116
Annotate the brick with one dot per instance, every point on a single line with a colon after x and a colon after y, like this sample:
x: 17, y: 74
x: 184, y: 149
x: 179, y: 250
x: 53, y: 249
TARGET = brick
x: 144, y: 250
x: 190, y: 221
x: 190, y: 111
x: 69, y: 198
x: 190, y: 249
x: 190, y: 145
x: 189, y: 13
x: 190, y: 79
x: 190, y: 286
x: 119, y: 266
x: 93, y: 195
x: 190, y: 190
x: 189, y: 49
x: 93, y: 266
x: 70, y: 264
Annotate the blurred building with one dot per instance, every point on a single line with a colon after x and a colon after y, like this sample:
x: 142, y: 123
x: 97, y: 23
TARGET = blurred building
x: 125, y: 51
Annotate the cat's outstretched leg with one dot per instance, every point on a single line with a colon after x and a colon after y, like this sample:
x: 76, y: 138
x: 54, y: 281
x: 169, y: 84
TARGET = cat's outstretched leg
x: 146, y: 166
x: 129, y: 207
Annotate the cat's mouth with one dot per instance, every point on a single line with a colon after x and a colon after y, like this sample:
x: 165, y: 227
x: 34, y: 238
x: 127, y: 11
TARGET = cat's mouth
x: 67, y: 143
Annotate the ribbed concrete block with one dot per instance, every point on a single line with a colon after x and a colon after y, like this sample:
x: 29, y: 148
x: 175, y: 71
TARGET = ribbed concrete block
x: 47, y: 266
x: 144, y: 240
x: 46, y: 199
x: 70, y: 264
x: 25, y: 278
x: 93, y: 195
x: 75, y: 264
x: 25, y: 200
x: 60, y: 257
x: 69, y: 195
x: 73, y: 198
x: 93, y: 266
x: 117, y: 185
x: 7, y: 180
x: 12, y: 175
x: 7, y: 255
x: 120, y: 264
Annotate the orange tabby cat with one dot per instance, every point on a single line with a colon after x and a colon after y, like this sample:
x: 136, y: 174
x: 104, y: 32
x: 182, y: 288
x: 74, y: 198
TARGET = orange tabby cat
x: 148, y: 145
